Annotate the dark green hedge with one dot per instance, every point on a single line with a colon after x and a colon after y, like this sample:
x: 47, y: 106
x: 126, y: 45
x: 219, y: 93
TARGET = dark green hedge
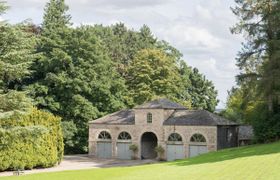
x: 33, y: 140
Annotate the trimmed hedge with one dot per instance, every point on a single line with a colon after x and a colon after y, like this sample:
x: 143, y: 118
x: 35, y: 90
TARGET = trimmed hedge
x: 32, y: 140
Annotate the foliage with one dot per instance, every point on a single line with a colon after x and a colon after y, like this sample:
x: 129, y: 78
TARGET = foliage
x: 266, y: 128
x: 96, y: 72
x: 16, y: 55
x: 152, y: 73
x: 82, y: 73
x: 261, y: 162
x: 160, y: 150
x: 85, y: 72
x: 259, y: 58
x: 199, y: 91
x: 37, y: 135
x: 237, y: 109
x: 258, y: 61
x: 74, y: 77
x: 3, y: 8
x: 134, y: 149
x: 30, y: 141
x: 69, y: 130
x: 125, y: 44
x: 28, y: 137
x: 254, y: 112
x: 14, y: 103
x: 55, y: 18
x: 202, y: 91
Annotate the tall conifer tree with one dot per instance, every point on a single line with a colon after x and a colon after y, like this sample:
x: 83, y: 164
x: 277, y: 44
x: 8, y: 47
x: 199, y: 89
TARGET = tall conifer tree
x: 74, y: 77
x: 259, y: 62
x: 16, y: 55
x: 259, y: 58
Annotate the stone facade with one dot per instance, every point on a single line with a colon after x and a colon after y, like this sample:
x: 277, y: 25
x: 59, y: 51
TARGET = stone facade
x: 161, y: 131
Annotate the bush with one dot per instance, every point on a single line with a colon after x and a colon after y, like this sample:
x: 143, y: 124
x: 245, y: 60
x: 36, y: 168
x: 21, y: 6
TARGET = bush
x: 134, y: 149
x: 266, y: 126
x: 32, y: 140
x: 267, y: 129
x: 22, y: 148
x: 160, y: 151
x: 69, y: 130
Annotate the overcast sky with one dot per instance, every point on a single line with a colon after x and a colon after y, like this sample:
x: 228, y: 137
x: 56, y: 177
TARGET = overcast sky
x: 198, y: 28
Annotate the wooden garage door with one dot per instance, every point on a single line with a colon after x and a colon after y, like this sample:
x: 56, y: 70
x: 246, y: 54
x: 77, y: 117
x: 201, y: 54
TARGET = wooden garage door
x: 104, y: 150
x: 175, y: 152
x: 123, y: 151
x: 196, y: 150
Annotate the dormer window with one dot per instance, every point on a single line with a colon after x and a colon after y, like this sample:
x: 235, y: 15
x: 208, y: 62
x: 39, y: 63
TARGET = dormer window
x: 149, y: 118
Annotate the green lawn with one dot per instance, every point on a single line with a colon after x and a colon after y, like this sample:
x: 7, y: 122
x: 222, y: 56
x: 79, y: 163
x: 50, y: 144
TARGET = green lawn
x: 252, y: 162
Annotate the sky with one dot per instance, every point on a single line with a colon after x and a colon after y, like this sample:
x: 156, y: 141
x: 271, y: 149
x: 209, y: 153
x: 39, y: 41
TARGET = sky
x: 198, y: 28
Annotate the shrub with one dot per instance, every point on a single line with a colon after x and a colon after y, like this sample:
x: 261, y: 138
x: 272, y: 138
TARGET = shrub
x: 134, y: 149
x: 266, y: 125
x: 69, y: 130
x: 267, y: 129
x: 160, y: 150
x: 22, y: 148
x: 31, y: 140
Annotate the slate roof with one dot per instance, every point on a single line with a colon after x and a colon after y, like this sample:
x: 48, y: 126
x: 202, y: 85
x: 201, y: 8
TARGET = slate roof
x: 160, y: 104
x: 196, y: 118
x: 181, y: 116
x: 120, y: 117
x: 245, y: 132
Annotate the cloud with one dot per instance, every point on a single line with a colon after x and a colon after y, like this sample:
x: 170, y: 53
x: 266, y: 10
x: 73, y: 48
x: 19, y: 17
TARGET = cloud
x: 102, y: 5
x: 26, y: 3
x: 120, y: 4
x: 203, y: 12
x: 191, y: 36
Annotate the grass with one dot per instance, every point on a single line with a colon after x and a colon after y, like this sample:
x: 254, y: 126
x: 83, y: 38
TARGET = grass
x: 245, y: 163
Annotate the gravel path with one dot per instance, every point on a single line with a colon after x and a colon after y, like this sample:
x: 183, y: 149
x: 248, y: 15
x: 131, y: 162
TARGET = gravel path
x: 76, y: 162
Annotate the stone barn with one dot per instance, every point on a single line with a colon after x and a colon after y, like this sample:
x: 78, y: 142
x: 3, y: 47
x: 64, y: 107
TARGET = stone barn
x: 182, y: 133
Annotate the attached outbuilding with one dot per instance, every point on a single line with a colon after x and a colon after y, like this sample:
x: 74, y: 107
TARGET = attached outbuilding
x: 180, y: 132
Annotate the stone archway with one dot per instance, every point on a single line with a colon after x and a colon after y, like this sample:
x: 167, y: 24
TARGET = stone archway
x: 148, y: 143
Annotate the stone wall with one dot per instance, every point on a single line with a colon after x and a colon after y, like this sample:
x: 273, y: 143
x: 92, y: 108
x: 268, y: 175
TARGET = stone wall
x: 186, y: 132
x: 162, y: 132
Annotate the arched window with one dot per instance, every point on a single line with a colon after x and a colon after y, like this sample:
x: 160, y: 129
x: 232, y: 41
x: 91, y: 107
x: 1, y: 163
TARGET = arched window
x: 174, y: 137
x: 124, y: 136
x: 149, y: 118
x: 104, y: 135
x: 198, y: 138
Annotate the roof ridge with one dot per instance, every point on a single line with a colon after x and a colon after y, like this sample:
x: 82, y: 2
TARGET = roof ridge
x: 197, y: 117
x: 215, y: 116
x: 108, y: 115
x: 171, y: 115
x: 161, y: 103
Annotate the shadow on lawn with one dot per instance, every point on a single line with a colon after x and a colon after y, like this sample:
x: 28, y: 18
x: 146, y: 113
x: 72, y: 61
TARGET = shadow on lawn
x: 233, y: 153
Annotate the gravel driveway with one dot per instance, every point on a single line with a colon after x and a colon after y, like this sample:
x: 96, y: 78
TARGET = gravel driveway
x: 75, y: 162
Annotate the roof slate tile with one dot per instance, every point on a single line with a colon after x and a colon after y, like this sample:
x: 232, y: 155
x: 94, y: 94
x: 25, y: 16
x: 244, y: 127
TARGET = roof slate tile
x: 181, y: 116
